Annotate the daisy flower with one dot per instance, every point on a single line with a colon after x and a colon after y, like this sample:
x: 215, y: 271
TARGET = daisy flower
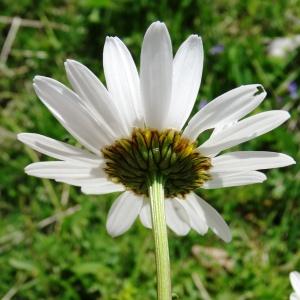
x: 134, y: 129
x: 295, y: 281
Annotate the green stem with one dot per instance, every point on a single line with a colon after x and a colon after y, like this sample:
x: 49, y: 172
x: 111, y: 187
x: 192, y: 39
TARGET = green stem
x: 156, y: 195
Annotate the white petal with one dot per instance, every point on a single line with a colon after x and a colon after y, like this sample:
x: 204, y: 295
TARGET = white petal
x: 67, y: 107
x: 96, y: 98
x: 294, y: 296
x: 102, y: 188
x: 123, y: 80
x: 243, y: 131
x: 214, y: 219
x: 295, y: 281
x: 249, y: 160
x: 234, y: 179
x: 196, y: 215
x: 63, y: 169
x: 174, y: 218
x: 226, y: 108
x: 156, y: 74
x: 123, y: 213
x: 187, y: 73
x: 222, y: 127
x: 57, y: 149
x: 86, y: 182
x: 145, y: 214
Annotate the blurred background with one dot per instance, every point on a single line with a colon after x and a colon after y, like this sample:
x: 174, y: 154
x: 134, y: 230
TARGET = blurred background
x: 53, y: 242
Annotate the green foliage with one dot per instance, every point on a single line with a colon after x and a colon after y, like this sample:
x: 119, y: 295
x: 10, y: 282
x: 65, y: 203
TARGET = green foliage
x: 53, y: 242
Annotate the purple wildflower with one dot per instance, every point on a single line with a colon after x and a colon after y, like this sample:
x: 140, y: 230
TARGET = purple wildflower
x: 217, y: 49
x: 293, y: 89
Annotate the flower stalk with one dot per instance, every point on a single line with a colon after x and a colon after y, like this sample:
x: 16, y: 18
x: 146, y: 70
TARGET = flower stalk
x: 156, y: 195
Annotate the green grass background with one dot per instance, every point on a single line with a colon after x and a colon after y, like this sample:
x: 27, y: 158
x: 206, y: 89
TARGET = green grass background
x: 70, y: 255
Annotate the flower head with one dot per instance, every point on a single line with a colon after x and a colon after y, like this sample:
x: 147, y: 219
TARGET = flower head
x: 295, y: 281
x: 135, y: 128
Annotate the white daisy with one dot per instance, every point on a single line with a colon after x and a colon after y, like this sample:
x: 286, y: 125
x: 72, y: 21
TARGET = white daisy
x: 135, y: 127
x: 295, y: 281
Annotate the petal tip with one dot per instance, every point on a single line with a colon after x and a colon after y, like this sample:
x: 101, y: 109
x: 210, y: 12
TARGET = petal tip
x: 288, y: 159
x: 287, y: 114
x: 195, y: 37
x: 260, y: 91
x: 225, y: 234
x: 27, y: 169
x: 195, y: 40
x: 228, y: 238
x: 282, y: 115
x: 38, y: 78
x: 262, y: 178
x: 108, y: 39
x: 111, y: 233
x: 157, y: 26
x: 21, y: 137
x: 156, y: 23
x: 35, y: 86
x: 69, y: 63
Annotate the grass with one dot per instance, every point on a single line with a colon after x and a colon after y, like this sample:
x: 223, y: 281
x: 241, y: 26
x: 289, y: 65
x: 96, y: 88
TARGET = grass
x: 53, y: 242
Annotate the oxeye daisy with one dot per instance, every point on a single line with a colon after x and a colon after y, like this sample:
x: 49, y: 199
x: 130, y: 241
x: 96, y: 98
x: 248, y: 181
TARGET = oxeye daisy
x: 137, y: 143
x: 295, y: 282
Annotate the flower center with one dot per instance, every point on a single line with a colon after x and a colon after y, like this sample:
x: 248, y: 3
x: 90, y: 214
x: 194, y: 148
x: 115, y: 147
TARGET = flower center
x: 148, y: 152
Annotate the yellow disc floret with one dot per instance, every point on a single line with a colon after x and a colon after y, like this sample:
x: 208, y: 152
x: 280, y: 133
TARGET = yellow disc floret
x: 148, y: 152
